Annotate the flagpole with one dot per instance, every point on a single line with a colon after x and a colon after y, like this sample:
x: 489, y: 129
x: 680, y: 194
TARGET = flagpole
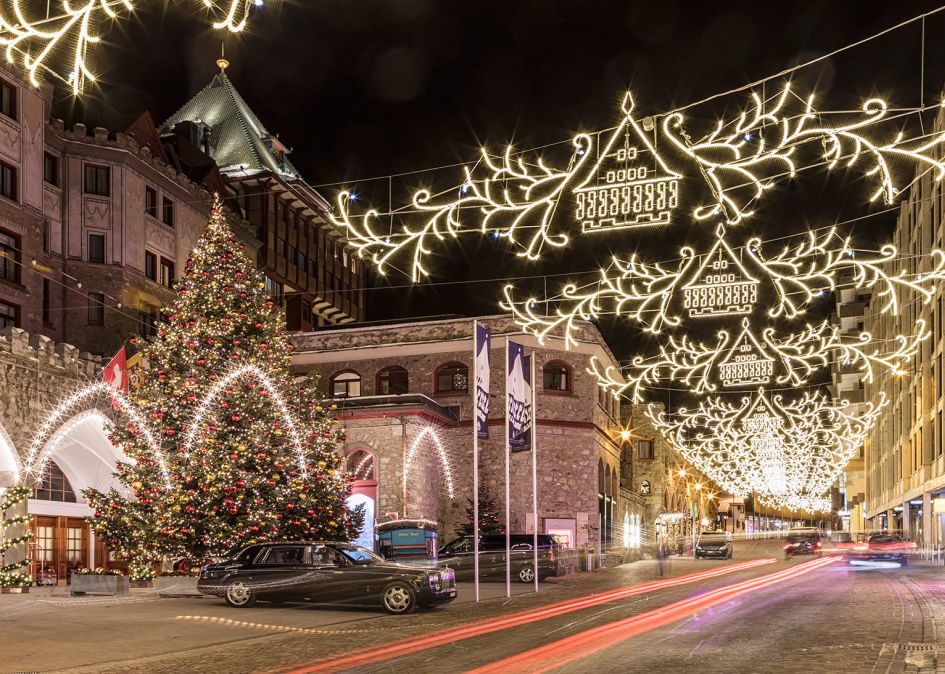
x: 508, y: 449
x: 475, y: 429
x: 534, y: 469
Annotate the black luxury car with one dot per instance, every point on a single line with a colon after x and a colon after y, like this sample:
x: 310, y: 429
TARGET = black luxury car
x: 458, y: 554
x: 324, y: 573
x: 714, y: 544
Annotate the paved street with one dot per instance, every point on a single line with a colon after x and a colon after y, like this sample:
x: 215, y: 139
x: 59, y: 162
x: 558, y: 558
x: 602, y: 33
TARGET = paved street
x: 830, y: 618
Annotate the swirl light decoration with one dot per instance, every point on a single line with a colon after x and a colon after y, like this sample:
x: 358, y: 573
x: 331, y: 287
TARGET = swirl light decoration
x: 786, y: 452
x: 38, y: 41
x: 636, y: 175
x: 751, y: 359
x: 724, y: 281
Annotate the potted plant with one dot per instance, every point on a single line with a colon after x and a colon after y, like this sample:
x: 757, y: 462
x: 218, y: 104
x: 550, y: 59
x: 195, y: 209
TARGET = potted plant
x: 12, y: 578
x: 99, y: 581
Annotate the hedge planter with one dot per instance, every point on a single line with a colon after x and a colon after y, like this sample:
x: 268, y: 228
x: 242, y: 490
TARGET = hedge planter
x: 18, y: 589
x: 177, y: 586
x: 99, y: 584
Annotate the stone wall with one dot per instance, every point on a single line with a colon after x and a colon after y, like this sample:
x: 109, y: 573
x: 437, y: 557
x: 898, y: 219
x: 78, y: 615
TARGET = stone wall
x: 35, y: 375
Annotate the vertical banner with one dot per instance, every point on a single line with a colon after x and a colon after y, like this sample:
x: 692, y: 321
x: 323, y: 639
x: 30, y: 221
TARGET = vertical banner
x: 519, y: 404
x: 483, y: 364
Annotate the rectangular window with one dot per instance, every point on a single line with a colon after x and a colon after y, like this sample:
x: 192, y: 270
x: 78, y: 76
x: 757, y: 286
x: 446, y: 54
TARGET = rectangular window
x: 147, y: 323
x: 7, y: 181
x: 47, y: 314
x: 280, y: 247
x: 300, y: 261
x: 9, y: 257
x: 96, y: 309
x: 7, y: 99
x: 9, y: 315
x: 167, y: 273
x: 312, y: 267
x: 97, y: 248
x: 150, y: 265
x: 150, y: 201
x: 274, y: 289
x: 167, y: 211
x: 97, y: 180
x: 45, y: 235
x: 644, y: 449
x: 51, y: 169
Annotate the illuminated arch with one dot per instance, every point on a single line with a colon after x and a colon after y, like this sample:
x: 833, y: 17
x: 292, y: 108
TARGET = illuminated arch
x: 41, y: 446
x: 10, y: 469
x: 429, y: 432
x: 257, y: 373
x: 82, y: 450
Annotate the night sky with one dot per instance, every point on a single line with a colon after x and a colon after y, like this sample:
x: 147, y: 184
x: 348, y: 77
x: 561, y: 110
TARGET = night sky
x: 370, y: 88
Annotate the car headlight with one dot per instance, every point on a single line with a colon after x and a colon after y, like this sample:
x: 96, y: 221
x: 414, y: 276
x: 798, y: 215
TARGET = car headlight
x: 435, y: 581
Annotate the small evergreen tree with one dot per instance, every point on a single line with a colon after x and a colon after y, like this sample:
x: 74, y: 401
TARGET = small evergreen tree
x: 239, y: 479
x: 10, y: 573
x: 491, y: 520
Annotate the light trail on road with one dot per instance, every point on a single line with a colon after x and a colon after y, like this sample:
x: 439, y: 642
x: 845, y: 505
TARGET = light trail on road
x: 410, y: 646
x: 559, y: 653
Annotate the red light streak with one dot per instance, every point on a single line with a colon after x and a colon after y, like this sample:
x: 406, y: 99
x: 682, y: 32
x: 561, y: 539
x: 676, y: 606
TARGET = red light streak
x: 435, y: 639
x: 559, y: 653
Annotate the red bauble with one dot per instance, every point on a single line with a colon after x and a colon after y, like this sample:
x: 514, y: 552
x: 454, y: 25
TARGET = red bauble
x: 234, y: 456
x: 233, y: 511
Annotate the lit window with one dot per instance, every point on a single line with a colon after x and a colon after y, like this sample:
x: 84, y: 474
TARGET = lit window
x: 167, y: 273
x: 346, y: 385
x: 452, y: 377
x: 556, y: 377
x: 55, y: 486
x: 644, y: 449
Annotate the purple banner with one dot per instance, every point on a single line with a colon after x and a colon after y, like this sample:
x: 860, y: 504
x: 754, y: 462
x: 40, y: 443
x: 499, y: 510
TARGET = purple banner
x: 519, y: 400
x: 483, y: 370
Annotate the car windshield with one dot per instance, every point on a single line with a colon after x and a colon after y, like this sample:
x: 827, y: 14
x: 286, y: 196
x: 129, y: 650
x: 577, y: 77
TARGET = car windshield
x: 712, y: 538
x: 884, y: 538
x: 360, y: 555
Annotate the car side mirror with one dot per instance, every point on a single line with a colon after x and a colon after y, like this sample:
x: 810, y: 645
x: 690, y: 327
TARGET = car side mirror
x: 363, y: 562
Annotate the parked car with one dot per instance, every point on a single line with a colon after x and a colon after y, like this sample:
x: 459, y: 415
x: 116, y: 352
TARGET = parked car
x: 803, y: 542
x: 458, y: 554
x: 714, y: 544
x: 881, y: 547
x: 325, y: 573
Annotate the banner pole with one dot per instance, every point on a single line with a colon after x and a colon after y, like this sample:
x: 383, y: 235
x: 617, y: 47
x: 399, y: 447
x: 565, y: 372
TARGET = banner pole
x: 475, y: 431
x: 508, y: 450
x: 534, y: 469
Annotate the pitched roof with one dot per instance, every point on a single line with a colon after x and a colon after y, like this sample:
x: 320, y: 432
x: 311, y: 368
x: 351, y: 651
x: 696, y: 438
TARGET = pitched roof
x: 241, y: 144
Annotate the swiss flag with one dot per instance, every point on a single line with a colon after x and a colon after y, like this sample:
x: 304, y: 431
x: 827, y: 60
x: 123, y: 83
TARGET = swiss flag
x: 116, y: 372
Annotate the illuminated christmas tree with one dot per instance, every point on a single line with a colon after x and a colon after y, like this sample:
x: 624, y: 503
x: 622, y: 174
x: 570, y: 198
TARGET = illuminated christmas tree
x: 11, y: 574
x: 490, y: 519
x: 236, y: 452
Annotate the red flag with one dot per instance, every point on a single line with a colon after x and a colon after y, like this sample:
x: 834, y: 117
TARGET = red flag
x: 116, y: 372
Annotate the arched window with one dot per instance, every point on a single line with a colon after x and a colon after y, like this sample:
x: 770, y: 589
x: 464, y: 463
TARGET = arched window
x: 452, y: 377
x: 361, y: 465
x: 55, y: 486
x: 556, y: 376
x: 345, y: 385
x: 391, y: 381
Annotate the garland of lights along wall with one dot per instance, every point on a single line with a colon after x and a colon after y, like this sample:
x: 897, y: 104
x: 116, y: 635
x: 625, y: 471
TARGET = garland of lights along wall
x: 787, y: 448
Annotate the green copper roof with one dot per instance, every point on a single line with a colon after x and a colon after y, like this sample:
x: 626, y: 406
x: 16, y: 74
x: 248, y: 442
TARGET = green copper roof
x: 241, y: 144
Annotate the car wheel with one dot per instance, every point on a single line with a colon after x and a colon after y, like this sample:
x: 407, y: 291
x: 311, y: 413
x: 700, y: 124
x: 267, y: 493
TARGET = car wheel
x: 399, y: 598
x: 526, y: 574
x: 239, y: 595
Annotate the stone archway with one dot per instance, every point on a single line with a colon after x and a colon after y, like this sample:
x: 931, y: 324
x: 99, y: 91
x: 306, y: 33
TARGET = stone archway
x: 79, y: 452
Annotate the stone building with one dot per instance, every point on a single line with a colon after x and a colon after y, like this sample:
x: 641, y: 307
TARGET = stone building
x: 404, y: 394
x: 95, y: 225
